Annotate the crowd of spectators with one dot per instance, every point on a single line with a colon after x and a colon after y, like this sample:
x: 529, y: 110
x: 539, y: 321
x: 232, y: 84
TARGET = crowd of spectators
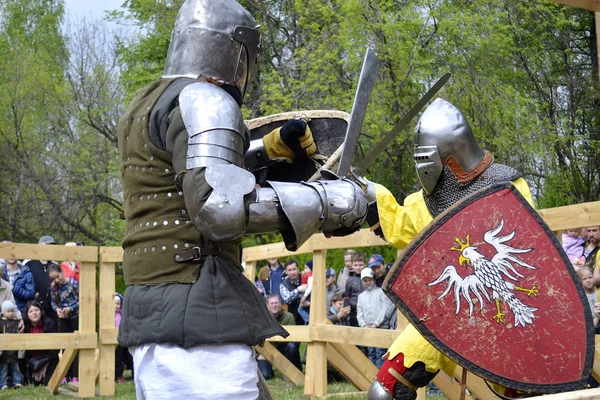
x: 42, y: 296
x: 353, y: 298
x: 582, y: 249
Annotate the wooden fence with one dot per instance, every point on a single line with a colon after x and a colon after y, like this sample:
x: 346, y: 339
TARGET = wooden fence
x: 326, y: 342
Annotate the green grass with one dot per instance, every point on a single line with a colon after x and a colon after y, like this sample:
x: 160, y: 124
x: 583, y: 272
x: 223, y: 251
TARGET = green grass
x: 280, y: 389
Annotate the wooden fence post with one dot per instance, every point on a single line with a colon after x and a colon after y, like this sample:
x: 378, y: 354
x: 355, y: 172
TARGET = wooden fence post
x: 87, y: 324
x: 106, y: 373
x: 316, y: 358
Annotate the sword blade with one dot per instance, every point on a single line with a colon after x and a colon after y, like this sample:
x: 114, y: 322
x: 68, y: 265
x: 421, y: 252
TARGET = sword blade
x: 400, y: 125
x: 366, y: 82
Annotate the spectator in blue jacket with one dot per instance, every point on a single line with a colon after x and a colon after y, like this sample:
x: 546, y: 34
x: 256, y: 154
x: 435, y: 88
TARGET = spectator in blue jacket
x: 21, y: 279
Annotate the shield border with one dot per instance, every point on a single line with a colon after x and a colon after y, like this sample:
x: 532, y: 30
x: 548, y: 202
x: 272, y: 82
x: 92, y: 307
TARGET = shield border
x: 460, y: 360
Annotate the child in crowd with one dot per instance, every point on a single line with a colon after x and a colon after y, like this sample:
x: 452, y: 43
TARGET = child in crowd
x: 354, y: 286
x: 337, y: 313
x: 306, y: 278
x: 572, y: 244
x: 64, y: 297
x: 586, y: 276
x: 9, y: 360
x: 123, y: 358
x: 373, y: 311
x: 71, y: 268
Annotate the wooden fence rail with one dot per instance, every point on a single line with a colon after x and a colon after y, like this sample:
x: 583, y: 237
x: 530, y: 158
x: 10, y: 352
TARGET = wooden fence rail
x: 326, y: 342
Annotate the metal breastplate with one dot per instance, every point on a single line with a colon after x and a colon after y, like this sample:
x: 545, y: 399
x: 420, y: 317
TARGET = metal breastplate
x: 448, y: 191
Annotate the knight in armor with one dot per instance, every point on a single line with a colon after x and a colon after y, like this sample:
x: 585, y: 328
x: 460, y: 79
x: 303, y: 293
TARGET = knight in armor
x: 190, y: 316
x: 450, y: 166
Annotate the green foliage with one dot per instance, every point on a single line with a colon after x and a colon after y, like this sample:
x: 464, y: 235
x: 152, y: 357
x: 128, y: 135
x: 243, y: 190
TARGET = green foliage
x: 57, y: 128
x: 524, y: 74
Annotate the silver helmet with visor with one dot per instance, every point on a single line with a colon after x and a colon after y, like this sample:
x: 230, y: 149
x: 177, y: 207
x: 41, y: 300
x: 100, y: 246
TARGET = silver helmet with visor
x: 443, y: 137
x: 217, y: 39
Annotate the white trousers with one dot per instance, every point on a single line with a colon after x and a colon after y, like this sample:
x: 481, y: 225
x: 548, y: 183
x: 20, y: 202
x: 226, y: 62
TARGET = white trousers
x: 211, y: 372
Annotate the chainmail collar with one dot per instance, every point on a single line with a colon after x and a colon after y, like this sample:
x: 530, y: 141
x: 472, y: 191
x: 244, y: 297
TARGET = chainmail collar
x: 448, y: 191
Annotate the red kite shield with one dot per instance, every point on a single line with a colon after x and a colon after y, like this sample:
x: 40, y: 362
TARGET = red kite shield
x: 488, y: 284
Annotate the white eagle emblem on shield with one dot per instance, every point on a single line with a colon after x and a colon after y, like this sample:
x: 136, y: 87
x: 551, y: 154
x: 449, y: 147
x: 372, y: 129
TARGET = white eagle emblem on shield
x: 490, y: 274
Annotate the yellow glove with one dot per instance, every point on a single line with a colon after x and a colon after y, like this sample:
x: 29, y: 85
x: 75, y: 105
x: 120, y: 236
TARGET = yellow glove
x: 293, y: 139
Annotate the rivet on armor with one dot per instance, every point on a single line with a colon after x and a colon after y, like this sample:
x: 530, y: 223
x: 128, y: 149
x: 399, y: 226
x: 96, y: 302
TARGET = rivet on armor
x: 175, y: 246
x: 153, y: 248
x: 165, y: 222
x: 151, y: 158
x: 141, y: 198
x: 167, y: 170
x: 164, y: 247
x: 176, y: 222
x: 147, y: 223
x: 150, y: 169
x: 148, y: 197
x: 180, y: 193
x: 187, y: 222
x: 189, y: 31
x: 177, y: 258
x: 147, y: 108
x: 155, y: 223
x: 332, y: 203
x: 145, y: 145
x: 155, y: 195
x: 187, y: 245
x: 144, y: 170
x: 169, y: 194
x: 137, y: 168
x: 145, y: 249
x: 126, y: 137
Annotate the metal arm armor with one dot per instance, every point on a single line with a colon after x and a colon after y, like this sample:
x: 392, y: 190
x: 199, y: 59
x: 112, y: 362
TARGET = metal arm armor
x: 235, y: 207
x: 297, y: 210
x: 215, y: 126
x: 256, y: 157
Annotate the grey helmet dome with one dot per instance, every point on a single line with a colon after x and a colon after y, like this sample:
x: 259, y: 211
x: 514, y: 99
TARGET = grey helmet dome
x: 443, y: 135
x: 217, y: 39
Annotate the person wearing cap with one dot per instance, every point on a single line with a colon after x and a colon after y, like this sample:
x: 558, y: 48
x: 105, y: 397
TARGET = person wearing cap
x: 373, y: 310
x: 39, y: 271
x: 379, y: 268
x: 9, y: 361
x: 330, y: 286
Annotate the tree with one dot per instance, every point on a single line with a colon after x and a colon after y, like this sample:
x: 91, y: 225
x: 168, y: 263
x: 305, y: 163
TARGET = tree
x: 58, y: 135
